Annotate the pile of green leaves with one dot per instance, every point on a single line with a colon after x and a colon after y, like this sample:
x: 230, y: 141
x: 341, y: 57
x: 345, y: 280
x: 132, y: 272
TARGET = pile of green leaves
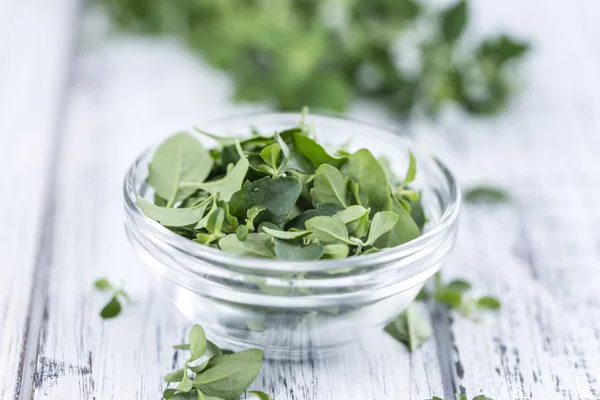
x: 283, y: 196
x: 210, y: 373
x: 407, y: 54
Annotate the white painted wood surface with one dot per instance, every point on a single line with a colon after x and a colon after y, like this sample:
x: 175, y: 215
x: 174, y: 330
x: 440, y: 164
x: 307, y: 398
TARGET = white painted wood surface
x: 66, y: 148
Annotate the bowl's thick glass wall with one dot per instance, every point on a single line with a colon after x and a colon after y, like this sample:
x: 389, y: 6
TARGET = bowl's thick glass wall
x: 292, y: 308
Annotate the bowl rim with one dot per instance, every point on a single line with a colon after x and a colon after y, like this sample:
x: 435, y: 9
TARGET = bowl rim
x: 187, y: 246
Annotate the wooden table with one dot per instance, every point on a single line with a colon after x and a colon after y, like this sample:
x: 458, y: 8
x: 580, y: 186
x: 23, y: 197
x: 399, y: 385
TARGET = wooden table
x: 76, y: 106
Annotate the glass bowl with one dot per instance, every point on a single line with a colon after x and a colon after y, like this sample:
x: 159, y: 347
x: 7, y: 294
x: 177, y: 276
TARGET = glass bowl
x: 294, y: 309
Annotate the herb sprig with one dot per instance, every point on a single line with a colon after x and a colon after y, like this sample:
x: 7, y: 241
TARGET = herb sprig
x: 210, y: 373
x: 113, y: 307
x: 408, y: 54
x: 283, y: 196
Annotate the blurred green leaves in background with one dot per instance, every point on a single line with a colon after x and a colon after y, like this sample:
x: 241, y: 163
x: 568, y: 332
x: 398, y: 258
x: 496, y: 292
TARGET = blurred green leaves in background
x: 408, y: 55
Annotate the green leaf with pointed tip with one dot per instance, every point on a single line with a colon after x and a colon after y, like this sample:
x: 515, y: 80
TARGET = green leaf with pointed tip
x: 174, y: 216
x: 315, y: 152
x: 226, y: 186
x: 404, y: 231
x: 176, y: 376
x: 255, y: 245
x: 486, y: 195
x: 454, y: 20
x: 411, y: 174
x: 383, y: 222
x: 285, y: 250
x: 410, y: 328
x: 102, y: 284
x: 488, y: 303
x: 460, y: 396
x: 328, y: 230
x: 278, y: 196
x: 358, y: 197
x: 330, y: 186
x: 186, y: 383
x: 285, y: 235
x: 260, y: 395
x: 179, y: 158
x: 198, y: 344
x: 365, y: 170
x: 228, y: 376
x: 271, y: 155
x: 111, y: 309
x: 482, y: 397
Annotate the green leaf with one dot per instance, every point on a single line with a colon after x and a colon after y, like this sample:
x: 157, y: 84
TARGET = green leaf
x: 411, y: 174
x: 198, y: 343
x: 322, y: 209
x: 183, y: 346
x: 253, y: 212
x: 186, y: 383
x: 102, y: 284
x: 410, y: 328
x: 356, y: 219
x: 255, y: 245
x: 230, y: 223
x: 336, y: 251
x: 365, y: 170
x: 260, y: 395
x: 454, y: 20
x: 436, y: 398
x: 285, y: 235
x: 488, y: 303
x: 450, y: 297
x: 111, y: 309
x: 486, y: 194
x: 328, y: 230
x: 228, y: 376
x: 174, y: 216
x: 179, y: 158
x: 459, y: 284
x: 242, y: 232
x: 214, y: 223
x: 482, y: 397
x: 383, y: 222
x: 404, y: 231
x: 359, y: 198
x: 284, y: 250
x: 500, y: 49
x: 271, y: 154
x: 460, y: 396
x: 314, y: 152
x: 226, y: 186
x: 330, y: 186
x: 278, y: 196
x: 176, y: 376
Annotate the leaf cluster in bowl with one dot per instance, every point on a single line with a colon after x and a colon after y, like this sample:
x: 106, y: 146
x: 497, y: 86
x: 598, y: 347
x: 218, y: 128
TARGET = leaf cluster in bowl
x: 285, y: 196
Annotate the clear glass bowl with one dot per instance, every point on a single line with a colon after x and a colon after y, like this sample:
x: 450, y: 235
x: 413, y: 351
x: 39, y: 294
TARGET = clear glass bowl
x: 293, y: 309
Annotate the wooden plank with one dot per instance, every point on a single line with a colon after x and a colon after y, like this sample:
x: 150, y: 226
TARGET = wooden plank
x: 113, y: 113
x: 35, y: 47
x: 540, y: 254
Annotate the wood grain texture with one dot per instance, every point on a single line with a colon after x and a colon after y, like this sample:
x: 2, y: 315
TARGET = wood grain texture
x: 32, y: 33
x: 540, y: 254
